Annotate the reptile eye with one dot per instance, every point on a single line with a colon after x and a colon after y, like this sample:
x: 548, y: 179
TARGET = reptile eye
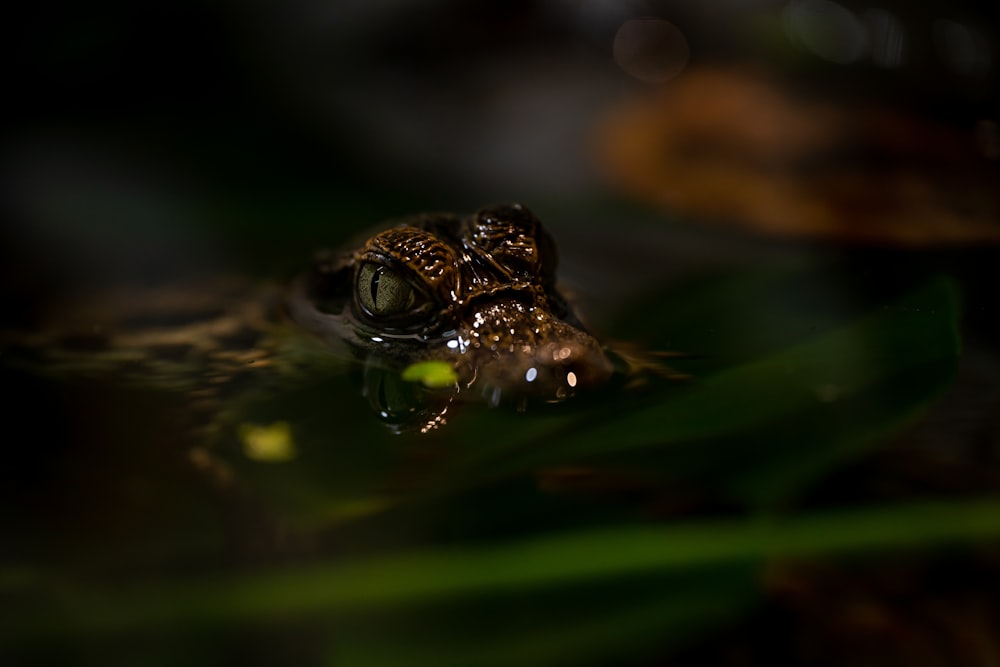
x: 382, y: 291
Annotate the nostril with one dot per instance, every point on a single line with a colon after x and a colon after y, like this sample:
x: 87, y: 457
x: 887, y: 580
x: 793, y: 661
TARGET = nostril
x: 556, y: 375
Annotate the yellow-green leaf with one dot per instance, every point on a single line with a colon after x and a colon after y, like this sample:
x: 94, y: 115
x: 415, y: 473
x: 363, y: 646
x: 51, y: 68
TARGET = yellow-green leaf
x: 434, y: 374
x: 267, y: 443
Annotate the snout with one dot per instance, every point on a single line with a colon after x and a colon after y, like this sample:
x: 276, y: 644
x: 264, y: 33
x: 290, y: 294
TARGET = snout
x: 546, y: 363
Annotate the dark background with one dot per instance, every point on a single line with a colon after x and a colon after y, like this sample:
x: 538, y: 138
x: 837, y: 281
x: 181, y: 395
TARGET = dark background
x: 148, y: 141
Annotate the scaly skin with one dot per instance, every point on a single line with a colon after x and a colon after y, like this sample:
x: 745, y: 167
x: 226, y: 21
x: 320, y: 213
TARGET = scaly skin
x: 477, y: 292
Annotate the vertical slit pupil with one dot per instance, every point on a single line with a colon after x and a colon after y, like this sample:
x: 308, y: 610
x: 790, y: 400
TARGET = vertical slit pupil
x: 376, y: 277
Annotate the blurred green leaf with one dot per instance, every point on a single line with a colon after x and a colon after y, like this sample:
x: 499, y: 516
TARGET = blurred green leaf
x: 581, y: 626
x: 559, y: 562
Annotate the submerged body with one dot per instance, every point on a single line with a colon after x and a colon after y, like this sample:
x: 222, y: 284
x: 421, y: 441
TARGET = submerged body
x: 474, y: 295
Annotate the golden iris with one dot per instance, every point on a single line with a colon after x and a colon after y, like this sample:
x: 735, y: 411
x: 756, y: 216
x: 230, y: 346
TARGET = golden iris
x: 383, y: 291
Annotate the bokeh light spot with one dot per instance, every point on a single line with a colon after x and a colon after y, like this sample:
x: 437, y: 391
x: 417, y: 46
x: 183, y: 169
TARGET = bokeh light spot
x: 887, y: 37
x: 988, y: 139
x: 827, y: 29
x: 963, y: 48
x: 650, y: 49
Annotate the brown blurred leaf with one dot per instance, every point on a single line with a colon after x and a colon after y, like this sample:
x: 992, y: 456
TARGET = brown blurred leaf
x: 736, y: 147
